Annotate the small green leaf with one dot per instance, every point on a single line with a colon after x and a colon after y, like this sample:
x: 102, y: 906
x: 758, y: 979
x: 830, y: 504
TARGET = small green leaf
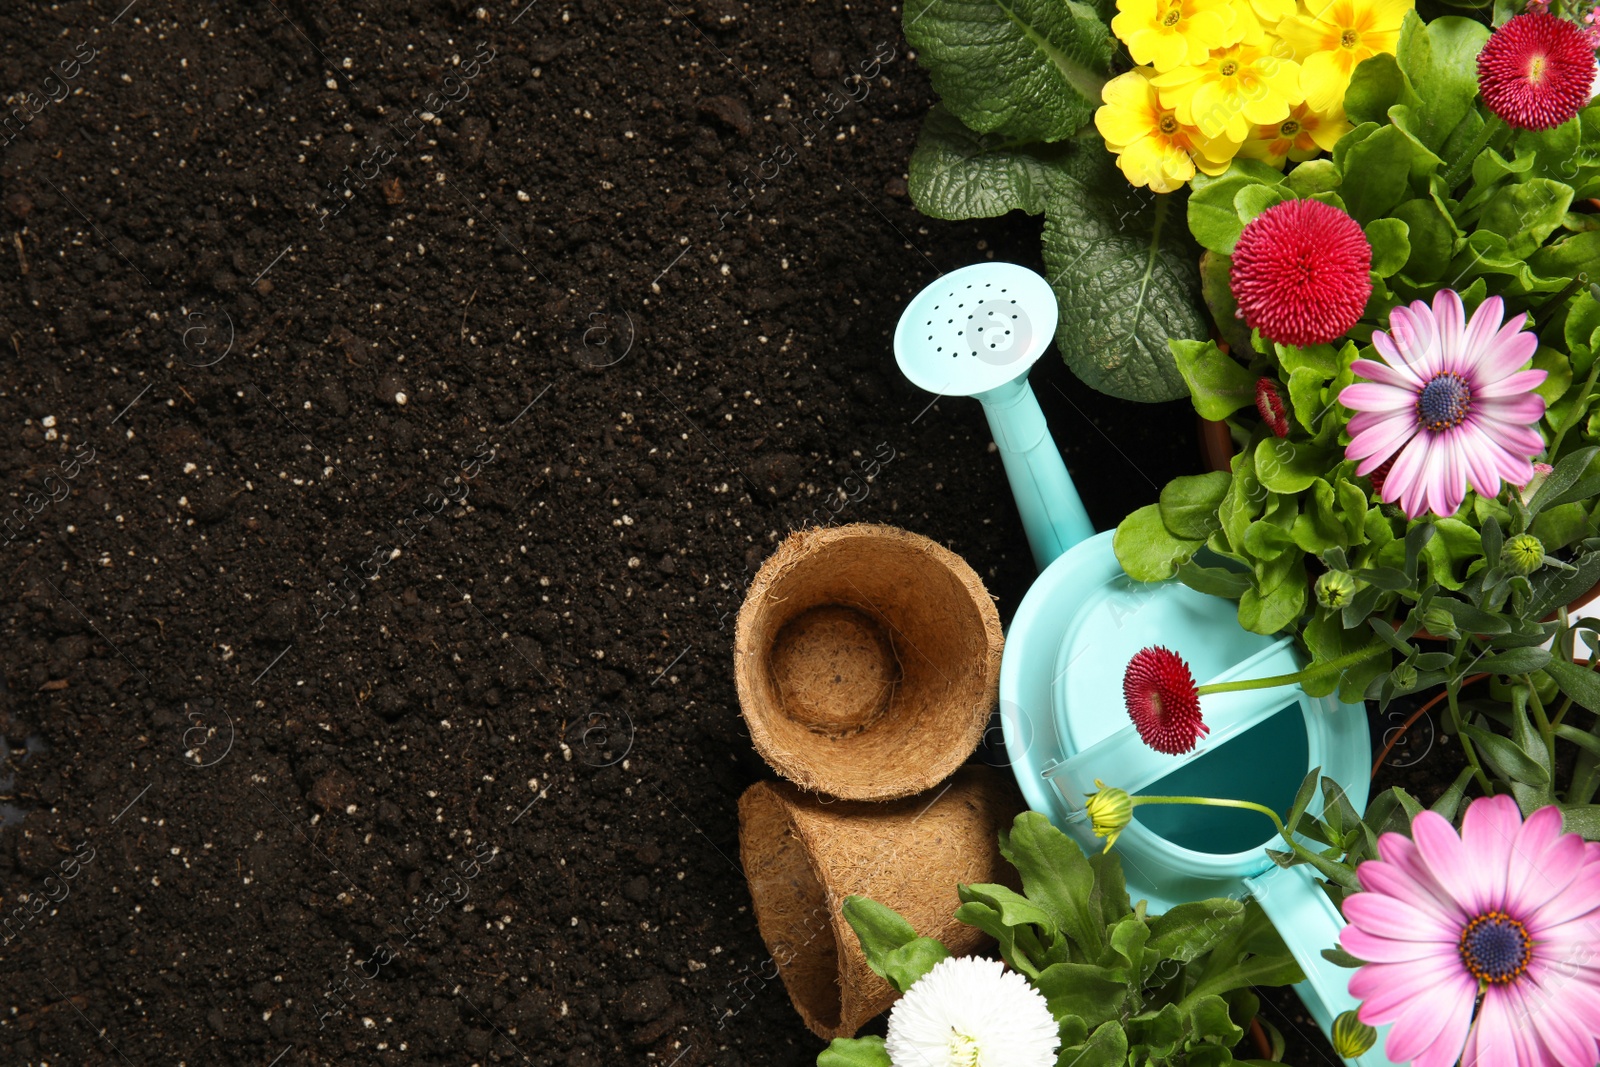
x: 1147, y: 550
x: 1252, y: 200
x: 1440, y: 58
x: 1375, y: 86
x: 1214, y: 581
x: 1391, y: 245
x: 893, y: 949
x: 1208, y: 1020
x: 1185, y: 932
x: 1527, y: 213
x: 1430, y: 234
x: 1340, y: 958
x: 1514, y: 661
x: 1285, y: 466
x: 1579, y: 683
x: 1376, y: 174
x: 1218, y: 385
x: 854, y: 1052
x: 1314, y: 176
x: 1449, y: 801
x: 1582, y: 819
x: 1081, y: 989
x: 1505, y: 757
x: 1189, y: 504
x: 1106, y: 1047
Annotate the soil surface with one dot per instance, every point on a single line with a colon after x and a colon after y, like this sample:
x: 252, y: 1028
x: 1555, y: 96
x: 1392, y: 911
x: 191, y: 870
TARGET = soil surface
x: 397, y: 402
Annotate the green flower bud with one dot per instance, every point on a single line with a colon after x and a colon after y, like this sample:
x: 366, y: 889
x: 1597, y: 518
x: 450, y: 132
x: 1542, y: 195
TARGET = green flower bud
x: 1523, y: 554
x: 1335, y: 588
x: 1110, y: 811
x: 1405, y: 676
x: 1351, y: 1036
x: 1439, y: 622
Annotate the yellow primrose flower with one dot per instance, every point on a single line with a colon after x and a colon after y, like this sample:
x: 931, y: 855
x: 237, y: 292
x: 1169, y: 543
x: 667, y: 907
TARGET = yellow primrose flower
x: 1300, y: 136
x: 1153, y: 148
x: 1235, y: 90
x: 1170, y: 33
x: 1268, y: 12
x: 1333, y: 36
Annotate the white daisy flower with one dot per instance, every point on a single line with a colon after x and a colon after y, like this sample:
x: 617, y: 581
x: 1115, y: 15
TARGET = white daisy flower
x: 972, y: 1012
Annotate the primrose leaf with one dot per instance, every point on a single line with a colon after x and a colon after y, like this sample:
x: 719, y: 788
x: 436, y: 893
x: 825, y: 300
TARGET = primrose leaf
x: 1126, y: 276
x: 1031, y: 70
x: 958, y: 174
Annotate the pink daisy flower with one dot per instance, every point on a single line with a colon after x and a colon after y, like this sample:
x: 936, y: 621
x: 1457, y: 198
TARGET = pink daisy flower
x: 1480, y: 946
x: 1450, y: 404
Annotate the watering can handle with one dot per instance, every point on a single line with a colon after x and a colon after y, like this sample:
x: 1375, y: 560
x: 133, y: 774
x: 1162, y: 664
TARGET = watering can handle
x: 1308, y: 922
x: 1052, y: 513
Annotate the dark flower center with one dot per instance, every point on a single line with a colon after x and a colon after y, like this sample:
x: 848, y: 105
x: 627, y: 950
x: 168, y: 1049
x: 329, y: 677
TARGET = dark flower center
x: 1169, y: 125
x: 1495, y: 948
x: 1348, y: 38
x: 1171, y: 17
x: 1228, y: 69
x: 1444, y: 402
x: 1290, y: 128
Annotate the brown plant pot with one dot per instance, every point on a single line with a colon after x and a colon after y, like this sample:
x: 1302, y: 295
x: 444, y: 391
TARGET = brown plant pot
x: 804, y: 855
x: 867, y: 661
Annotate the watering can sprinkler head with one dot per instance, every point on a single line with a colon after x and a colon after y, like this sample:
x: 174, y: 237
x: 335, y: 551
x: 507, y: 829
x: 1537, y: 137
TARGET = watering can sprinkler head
x: 976, y: 332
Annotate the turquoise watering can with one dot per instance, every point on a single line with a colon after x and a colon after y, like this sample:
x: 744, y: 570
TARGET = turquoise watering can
x: 976, y: 332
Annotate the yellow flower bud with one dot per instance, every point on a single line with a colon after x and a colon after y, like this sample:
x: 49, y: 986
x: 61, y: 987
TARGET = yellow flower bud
x: 1110, y: 811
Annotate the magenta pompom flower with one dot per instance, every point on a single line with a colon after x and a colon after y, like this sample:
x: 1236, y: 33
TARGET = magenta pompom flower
x: 1163, y: 701
x: 1508, y: 911
x: 1300, y: 272
x: 1450, y: 404
x: 1536, y: 71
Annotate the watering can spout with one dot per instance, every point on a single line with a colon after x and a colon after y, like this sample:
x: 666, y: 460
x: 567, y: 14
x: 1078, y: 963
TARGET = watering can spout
x: 1052, y: 513
x: 977, y: 332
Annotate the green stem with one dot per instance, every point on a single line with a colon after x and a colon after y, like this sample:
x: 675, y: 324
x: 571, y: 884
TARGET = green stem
x: 1463, y: 165
x: 1248, y: 805
x: 1579, y: 405
x: 1349, y: 659
x: 1453, y: 691
x: 1540, y: 720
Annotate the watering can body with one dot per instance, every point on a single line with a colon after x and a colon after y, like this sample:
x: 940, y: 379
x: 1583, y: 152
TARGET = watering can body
x: 1061, y: 705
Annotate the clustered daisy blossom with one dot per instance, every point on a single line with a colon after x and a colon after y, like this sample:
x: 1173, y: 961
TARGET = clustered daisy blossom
x: 1451, y: 404
x: 1264, y: 79
x: 1163, y: 701
x: 972, y: 1012
x: 1479, y: 946
x: 1537, y: 71
x: 1300, y: 273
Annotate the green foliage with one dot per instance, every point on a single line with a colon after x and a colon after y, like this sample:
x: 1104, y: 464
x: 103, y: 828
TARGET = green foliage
x: 1164, y: 990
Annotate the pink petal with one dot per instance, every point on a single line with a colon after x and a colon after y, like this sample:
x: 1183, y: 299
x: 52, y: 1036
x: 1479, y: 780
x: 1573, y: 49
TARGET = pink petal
x: 1381, y: 440
x: 1550, y: 1020
x: 1371, y: 396
x: 1385, y: 916
x: 1452, y: 320
x: 1385, y: 374
x: 1482, y: 469
x: 1547, y: 861
x: 1408, y: 880
x: 1456, y: 871
x: 1370, y: 948
x: 1489, y: 835
x: 1399, y: 360
x: 1446, y: 1047
x: 1578, y: 904
x: 1405, y: 477
x: 1485, y: 321
x: 1414, y: 336
x: 1448, y: 484
x: 1435, y: 1011
x: 1523, y: 381
x: 1509, y: 352
x: 1387, y: 989
x: 1526, y: 409
x: 1494, y: 1039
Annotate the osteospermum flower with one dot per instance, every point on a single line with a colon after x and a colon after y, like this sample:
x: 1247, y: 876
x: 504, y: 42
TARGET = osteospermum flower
x: 1333, y: 37
x: 1168, y: 33
x: 1163, y: 701
x: 1450, y: 403
x: 1235, y: 90
x: 1299, y: 137
x: 1300, y: 272
x: 1508, y: 912
x: 1536, y: 71
x: 972, y: 1012
x: 1153, y: 148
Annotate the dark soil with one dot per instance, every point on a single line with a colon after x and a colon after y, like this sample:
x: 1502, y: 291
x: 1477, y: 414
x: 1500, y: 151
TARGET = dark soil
x: 371, y: 568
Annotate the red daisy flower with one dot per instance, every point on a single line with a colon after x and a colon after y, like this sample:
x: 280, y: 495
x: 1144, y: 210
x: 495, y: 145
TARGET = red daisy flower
x: 1270, y: 404
x: 1162, y: 701
x: 1536, y: 71
x: 1300, y: 272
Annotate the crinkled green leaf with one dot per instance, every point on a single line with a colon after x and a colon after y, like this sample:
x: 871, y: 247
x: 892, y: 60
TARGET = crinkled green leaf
x: 1126, y: 276
x: 958, y: 174
x: 1106, y: 1047
x: 1057, y: 877
x: 1184, y: 932
x: 1376, y: 85
x: 1527, y: 213
x: 1081, y: 989
x: 1440, y: 58
x: 1028, y: 69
